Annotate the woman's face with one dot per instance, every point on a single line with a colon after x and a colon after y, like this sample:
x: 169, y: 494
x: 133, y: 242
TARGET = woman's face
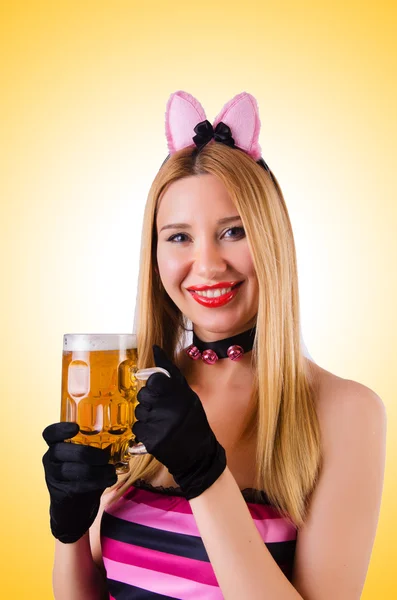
x: 201, y: 250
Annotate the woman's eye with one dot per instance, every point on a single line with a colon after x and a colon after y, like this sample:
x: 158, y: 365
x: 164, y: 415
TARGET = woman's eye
x: 172, y: 238
x: 238, y: 229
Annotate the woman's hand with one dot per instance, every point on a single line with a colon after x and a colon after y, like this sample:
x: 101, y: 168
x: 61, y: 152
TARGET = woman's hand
x: 174, y: 428
x: 76, y: 477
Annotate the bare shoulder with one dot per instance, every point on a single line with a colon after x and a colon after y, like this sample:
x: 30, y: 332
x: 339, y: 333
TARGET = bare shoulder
x: 337, y: 398
x: 345, y: 409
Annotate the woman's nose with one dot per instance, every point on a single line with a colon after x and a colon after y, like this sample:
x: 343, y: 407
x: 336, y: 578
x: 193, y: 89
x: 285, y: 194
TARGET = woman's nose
x: 209, y: 261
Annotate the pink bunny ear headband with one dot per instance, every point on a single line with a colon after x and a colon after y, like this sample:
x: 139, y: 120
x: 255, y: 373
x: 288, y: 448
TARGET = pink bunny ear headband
x: 185, y: 116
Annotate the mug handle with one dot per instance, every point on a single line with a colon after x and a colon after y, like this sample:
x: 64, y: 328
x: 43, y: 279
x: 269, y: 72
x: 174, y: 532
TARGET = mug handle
x: 137, y: 448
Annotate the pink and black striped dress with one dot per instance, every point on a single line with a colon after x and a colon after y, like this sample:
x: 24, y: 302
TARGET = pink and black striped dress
x: 152, y: 549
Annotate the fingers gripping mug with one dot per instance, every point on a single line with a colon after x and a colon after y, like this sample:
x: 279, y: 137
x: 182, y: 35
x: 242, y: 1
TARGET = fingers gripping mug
x: 100, y: 382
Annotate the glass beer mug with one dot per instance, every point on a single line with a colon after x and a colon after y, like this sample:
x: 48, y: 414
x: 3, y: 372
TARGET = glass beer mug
x: 100, y: 382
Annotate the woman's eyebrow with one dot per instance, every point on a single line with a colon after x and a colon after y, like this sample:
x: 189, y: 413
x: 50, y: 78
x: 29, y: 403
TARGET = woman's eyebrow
x: 187, y: 226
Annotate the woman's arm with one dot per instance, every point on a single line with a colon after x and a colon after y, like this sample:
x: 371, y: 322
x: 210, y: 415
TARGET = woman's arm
x: 242, y: 563
x: 79, y: 572
x: 76, y: 476
x: 334, y: 548
x: 75, y: 574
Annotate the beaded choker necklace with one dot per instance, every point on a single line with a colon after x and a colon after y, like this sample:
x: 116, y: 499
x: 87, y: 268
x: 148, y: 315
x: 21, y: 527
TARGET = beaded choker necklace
x: 232, y: 347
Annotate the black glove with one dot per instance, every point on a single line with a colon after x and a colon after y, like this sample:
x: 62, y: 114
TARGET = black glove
x: 76, y: 477
x: 174, y: 428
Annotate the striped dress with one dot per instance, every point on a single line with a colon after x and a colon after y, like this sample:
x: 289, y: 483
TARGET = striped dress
x: 152, y: 549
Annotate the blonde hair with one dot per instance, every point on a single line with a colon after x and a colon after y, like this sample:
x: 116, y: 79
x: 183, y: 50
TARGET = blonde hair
x: 283, y: 414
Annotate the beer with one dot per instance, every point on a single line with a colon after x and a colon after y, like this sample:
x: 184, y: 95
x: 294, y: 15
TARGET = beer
x: 100, y: 382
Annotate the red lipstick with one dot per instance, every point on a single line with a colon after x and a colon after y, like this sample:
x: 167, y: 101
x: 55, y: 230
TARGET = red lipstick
x: 219, y: 300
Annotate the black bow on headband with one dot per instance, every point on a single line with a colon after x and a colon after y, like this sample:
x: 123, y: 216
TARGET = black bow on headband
x: 205, y: 132
x: 222, y: 133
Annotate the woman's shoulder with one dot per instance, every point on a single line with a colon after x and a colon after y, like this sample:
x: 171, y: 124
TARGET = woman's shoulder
x: 333, y: 394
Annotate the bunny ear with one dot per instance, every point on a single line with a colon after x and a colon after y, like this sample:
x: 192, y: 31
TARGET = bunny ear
x: 182, y: 114
x: 241, y: 114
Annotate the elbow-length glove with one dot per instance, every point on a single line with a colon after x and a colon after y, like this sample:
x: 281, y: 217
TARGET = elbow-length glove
x: 76, y: 477
x: 174, y: 428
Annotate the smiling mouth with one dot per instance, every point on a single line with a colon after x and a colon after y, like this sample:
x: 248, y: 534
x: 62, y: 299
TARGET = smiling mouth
x: 215, y: 293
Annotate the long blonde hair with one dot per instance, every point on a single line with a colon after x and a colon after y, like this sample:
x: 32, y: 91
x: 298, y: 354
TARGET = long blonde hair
x: 283, y: 416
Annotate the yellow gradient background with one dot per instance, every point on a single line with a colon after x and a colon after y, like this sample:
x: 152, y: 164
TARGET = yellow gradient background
x: 84, y: 85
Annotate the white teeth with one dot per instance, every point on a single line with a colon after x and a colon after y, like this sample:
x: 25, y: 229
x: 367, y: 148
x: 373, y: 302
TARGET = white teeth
x: 214, y: 293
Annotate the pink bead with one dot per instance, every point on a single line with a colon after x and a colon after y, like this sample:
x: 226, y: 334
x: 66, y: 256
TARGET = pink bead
x: 209, y: 356
x: 235, y: 352
x: 193, y: 352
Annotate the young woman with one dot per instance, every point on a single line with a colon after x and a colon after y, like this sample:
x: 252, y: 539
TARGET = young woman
x: 265, y: 471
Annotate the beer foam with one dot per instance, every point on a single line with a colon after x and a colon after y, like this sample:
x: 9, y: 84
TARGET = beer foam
x: 90, y: 342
